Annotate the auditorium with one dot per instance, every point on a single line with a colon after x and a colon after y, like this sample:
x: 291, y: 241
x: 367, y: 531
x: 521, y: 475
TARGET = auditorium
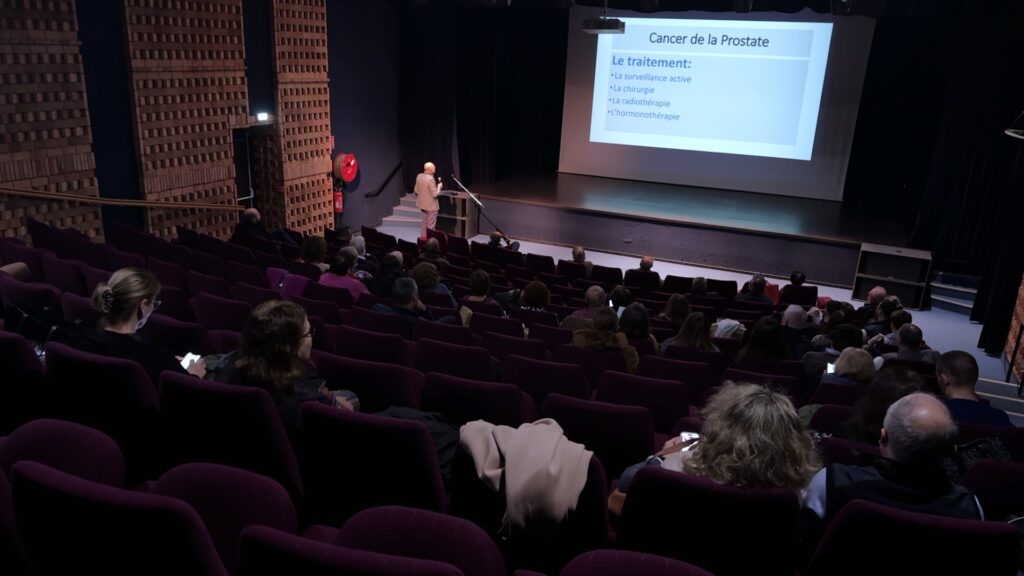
x: 511, y: 287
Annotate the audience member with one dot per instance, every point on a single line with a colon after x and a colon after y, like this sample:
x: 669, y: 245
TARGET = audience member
x: 752, y: 438
x: 364, y: 261
x: 796, y: 280
x: 596, y: 299
x: 342, y: 275
x: 694, y: 333
x: 480, y: 287
x: 250, y: 225
x: 314, y: 251
x: 918, y: 433
x: 797, y: 330
x: 635, y: 323
x: 644, y: 276
x: 604, y: 336
x: 958, y: 374
x: 274, y: 356
x: 909, y: 343
x: 428, y: 280
x: 579, y: 256
x: 896, y: 320
x: 854, y: 366
x: 390, y: 269
x: 755, y: 292
x: 406, y: 304
x: 699, y: 286
x: 676, y: 309
x: 765, y: 342
x: 535, y: 296
x: 620, y: 297
x: 875, y: 296
x: 890, y: 384
x: 432, y: 253
x: 842, y: 337
x: 124, y: 303
x: 881, y: 323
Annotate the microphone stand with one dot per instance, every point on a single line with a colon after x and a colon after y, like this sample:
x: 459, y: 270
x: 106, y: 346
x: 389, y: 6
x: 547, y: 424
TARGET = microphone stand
x: 480, y: 205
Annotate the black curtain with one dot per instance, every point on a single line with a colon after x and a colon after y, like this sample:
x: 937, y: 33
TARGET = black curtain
x: 490, y: 79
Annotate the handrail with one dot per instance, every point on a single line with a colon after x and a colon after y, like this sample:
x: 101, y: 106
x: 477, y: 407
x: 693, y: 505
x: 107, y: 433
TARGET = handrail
x: 117, y: 201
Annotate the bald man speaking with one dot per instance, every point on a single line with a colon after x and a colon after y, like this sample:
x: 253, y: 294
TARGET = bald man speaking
x: 427, y: 188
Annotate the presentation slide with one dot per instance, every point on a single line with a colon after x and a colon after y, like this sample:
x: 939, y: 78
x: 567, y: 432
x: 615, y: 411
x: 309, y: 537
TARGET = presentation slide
x: 751, y: 88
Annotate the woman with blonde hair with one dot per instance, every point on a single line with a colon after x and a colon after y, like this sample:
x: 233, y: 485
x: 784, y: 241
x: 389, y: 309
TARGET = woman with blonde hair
x: 854, y: 365
x: 124, y: 303
x: 752, y: 437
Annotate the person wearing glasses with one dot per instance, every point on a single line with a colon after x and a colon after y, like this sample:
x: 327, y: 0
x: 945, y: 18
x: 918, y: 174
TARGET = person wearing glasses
x: 274, y: 355
x: 124, y: 303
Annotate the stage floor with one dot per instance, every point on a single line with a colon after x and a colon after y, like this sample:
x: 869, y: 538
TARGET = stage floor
x: 729, y: 209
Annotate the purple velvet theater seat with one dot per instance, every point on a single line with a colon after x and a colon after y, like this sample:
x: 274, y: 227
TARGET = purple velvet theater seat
x: 228, y: 500
x: 620, y: 562
x: 72, y: 448
x: 269, y: 552
x: 217, y: 313
x: 761, y: 524
x: 451, y: 333
x: 501, y: 346
x: 73, y: 526
x: 333, y: 443
x: 369, y: 345
x: 667, y: 400
x: 697, y: 376
x: 538, y: 378
x: 463, y: 361
x: 21, y: 388
x: 868, y: 538
x: 462, y: 400
x: 424, y: 535
x: 378, y: 384
x: 226, y: 424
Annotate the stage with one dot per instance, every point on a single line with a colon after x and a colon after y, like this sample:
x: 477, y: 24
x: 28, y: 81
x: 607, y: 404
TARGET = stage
x: 726, y: 229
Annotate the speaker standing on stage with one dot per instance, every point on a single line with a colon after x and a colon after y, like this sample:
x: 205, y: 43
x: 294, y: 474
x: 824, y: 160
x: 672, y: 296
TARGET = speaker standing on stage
x: 427, y: 188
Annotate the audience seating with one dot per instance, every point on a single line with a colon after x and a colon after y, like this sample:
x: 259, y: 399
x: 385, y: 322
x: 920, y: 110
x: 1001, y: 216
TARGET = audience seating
x: 227, y: 424
x: 481, y: 323
x: 763, y: 523
x: 500, y: 346
x: 788, y: 386
x: 382, y: 322
x: 842, y: 394
x: 203, y: 284
x: 829, y: 418
x: 177, y: 337
x: 208, y: 264
x: 217, y: 312
x: 269, y: 552
x: 697, y: 376
x: 999, y: 485
x: 63, y: 274
x: 168, y: 274
x: 22, y: 387
x: 112, y: 395
x: 619, y: 435
x: 338, y: 296
x: 835, y: 450
x: 483, y: 308
x: 377, y: 384
x: 717, y: 360
x: 464, y: 361
x: 78, y: 308
x: 594, y: 363
x: 71, y: 448
x: 69, y: 526
x: 463, y: 400
x: 667, y: 400
x: 531, y: 318
x: 618, y: 562
x: 909, y: 543
x: 238, y: 272
x: 451, y: 333
x: 552, y: 337
x: 373, y: 346
x: 353, y: 461
x: 252, y: 295
x: 538, y: 378
x: 324, y: 310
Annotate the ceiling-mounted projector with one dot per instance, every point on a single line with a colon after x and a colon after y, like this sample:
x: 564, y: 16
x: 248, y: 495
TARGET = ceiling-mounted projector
x: 604, y: 26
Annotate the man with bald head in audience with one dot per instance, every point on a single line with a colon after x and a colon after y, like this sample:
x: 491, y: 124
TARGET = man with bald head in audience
x: 957, y: 372
x: 427, y: 188
x: 909, y: 343
x: 596, y: 299
x: 917, y: 433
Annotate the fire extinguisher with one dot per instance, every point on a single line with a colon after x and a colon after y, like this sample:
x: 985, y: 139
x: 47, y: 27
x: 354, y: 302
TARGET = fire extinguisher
x: 338, y: 207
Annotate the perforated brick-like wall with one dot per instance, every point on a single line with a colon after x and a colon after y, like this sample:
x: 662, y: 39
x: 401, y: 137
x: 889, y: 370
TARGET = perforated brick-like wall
x: 303, y: 113
x: 1011, y: 339
x: 187, y: 62
x: 45, y: 139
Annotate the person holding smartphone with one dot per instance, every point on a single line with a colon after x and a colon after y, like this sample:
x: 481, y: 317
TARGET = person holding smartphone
x: 752, y: 437
x: 124, y: 303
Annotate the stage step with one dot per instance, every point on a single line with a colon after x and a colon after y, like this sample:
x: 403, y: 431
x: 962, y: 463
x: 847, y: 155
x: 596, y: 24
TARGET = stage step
x: 405, y: 214
x: 954, y: 292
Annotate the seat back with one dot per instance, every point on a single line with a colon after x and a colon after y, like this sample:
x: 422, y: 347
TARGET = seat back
x: 488, y: 308
x: 830, y: 418
x: 833, y: 391
x: 593, y: 363
x: 167, y: 273
x: 269, y: 552
x: 717, y: 360
x: 912, y: 543
x: 423, y: 534
x: 501, y: 346
x: 373, y: 346
x: 481, y: 323
x: 408, y: 476
x: 378, y: 385
x: 178, y: 337
x: 465, y: 361
x: 695, y: 375
x: 531, y: 318
x: 326, y: 311
x: 205, y: 284
x: 71, y: 526
x: 616, y: 562
x: 71, y: 448
x: 538, y: 378
x: 800, y: 295
x: 225, y: 424
x: 835, y: 450
x: 553, y: 337
x: 338, y: 296
x: 22, y: 396
x: 450, y: 333
x: 619, y: 435
x: 64, y: 274
x: 228, y: 500
x: 667, y: 400
x: 252, y: 295
x: 218, y: 313
x: 381, y: 322
x: 789, y: 386
x: 462, y: 400
x: 765, y: 521
x: 78, y: 309
x: 112, y: 395
x: 999, y: 485
x: 244, y: 273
